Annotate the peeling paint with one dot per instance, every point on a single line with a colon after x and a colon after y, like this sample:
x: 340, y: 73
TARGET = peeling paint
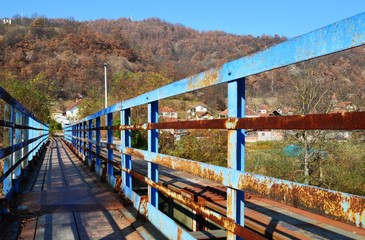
x: 206, y: 79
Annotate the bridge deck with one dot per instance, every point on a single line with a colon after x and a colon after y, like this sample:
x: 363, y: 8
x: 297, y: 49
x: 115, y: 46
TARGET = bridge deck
x: 68, y: 203
x: 268, y: 217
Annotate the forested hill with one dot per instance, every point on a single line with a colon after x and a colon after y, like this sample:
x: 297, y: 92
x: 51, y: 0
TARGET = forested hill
x: 71, y: 54
x: 66, y: 57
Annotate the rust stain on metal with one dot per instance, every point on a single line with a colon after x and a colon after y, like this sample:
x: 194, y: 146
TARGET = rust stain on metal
x: 340, y: 206
x: 164, y: 161
x: 225, y: 222
x: 135, y: 153
x: 231, y: 123
x: 210, y: 78
x: 142, y: 208
x: 179, y: 234
x: 188, y: 166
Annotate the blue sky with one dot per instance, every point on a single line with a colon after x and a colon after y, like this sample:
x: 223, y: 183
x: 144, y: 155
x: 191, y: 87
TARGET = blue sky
x: 256, y: 17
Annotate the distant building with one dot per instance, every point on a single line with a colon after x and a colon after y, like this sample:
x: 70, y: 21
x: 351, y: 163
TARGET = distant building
x: 72, y: 111
x: 263, y: 110
x: 168, y: 114
x: 199, y: 112
x: 249, y: 113
x: 6, y: 21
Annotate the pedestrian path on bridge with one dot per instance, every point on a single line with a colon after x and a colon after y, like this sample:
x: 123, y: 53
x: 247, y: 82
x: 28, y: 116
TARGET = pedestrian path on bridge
x: 70, y: 203
x: 67, y: 201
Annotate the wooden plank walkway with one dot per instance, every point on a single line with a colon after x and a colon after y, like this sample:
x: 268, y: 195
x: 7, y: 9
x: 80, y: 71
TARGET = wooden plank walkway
x: 270, y: 218
x: 67, y: 202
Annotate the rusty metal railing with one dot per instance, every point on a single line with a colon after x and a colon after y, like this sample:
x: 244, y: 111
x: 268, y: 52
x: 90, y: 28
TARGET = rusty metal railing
x: 85, y: 138
x: 23, y: 136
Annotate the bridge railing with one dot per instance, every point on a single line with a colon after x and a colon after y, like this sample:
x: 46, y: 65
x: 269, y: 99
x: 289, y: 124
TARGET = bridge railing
x: 22, y: 137
x: 85, y: 137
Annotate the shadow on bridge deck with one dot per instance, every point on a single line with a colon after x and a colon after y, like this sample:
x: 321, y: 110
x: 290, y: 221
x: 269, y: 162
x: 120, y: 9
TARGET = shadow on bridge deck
x: 64, y: 201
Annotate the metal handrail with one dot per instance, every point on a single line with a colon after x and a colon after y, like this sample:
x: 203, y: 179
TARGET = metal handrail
x: 24, y: 138
x: 337, y: 37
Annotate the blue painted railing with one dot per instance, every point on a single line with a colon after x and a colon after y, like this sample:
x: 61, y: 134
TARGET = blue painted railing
x: 22, y: 139
x: 84, y: 136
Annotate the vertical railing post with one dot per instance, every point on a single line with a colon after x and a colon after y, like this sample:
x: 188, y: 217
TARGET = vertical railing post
x: 153, y: 147
x: 27, y: 148
x: 236, y: 151
x: 90, y: 144
x: 110, y: 170
x: 125, y: 119
x: 79, y: 139
x: 8, y: 141
x: 84, y: 143
x: 31, y: 136
x: 98, y: 148
x: 18, y: 154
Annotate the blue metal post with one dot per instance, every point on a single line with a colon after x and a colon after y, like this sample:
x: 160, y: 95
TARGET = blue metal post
x: 8, y: 141
x: 109, y: 119
x: 90, y: 138
x: 84, y: 143
x: 27, y: 136
x: 75, y: 135
x: 98, y: 149
x: 18, y: 139
x: 125, y: 119
x: 79, y: 138
x: 236, y: 151
x: 31, y: 136
x: 153, y: 147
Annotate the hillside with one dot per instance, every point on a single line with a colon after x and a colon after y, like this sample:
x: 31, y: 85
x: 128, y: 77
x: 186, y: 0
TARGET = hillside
x: 70, y: 56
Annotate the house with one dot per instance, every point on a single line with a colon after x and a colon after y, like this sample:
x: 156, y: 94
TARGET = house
x: 263, y: 110
x: 73, y: 110
x: 261, y: 135
x: 198, y: 112
x: 7, y: 21
x: 270, y: 135
x: 168, y: 114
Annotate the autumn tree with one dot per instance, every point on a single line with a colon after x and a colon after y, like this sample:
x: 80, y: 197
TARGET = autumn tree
x: 31, y: 94
x: 310, y: 94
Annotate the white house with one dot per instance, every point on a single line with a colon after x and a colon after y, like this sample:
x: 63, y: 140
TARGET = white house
x: 73, y: 110
x: 168, y: 114
x: 7, y: 21
x: 199, y: 112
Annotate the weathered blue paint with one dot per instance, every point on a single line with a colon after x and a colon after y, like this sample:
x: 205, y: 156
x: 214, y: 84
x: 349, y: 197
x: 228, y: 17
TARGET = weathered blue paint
x: 333, y: 38
x: 336, y: 37
x: 109, y: 120
x: 236, y: 150
x: 168, y: 226
x: 24, y: 135
x: 153, y: 147
x: 98, y: 149
x: 90, y: 145
x: 126, y: 142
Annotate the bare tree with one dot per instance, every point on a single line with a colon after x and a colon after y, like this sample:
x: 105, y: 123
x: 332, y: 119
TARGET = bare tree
x: 310, y: 95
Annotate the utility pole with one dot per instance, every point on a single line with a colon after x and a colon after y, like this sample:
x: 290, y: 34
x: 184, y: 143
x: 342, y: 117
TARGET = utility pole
x: 106, y: 87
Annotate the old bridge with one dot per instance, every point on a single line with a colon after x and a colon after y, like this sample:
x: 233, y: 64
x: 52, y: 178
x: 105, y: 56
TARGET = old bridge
x: 145, y: 194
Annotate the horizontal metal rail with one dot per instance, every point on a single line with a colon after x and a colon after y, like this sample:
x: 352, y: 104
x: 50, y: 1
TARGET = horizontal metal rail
x: 85, y: 135
x: 24, y: 136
